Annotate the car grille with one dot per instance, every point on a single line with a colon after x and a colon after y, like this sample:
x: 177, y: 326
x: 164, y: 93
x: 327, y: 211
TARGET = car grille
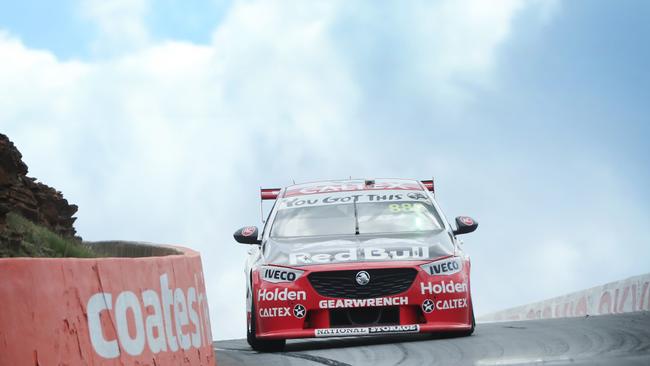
x: 343, y: 284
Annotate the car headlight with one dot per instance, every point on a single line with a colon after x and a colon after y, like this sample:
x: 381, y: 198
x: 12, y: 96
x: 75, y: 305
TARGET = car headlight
x: 279, y: 274
x: 443, y: 267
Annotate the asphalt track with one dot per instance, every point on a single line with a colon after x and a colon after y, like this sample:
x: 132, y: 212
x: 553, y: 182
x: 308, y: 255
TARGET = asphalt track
x: 622, y: 339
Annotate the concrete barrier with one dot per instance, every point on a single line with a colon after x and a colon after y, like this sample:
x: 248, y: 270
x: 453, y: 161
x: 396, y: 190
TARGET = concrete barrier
x: 108, y: 311
x: 130, y: 249
x: 629, y: 295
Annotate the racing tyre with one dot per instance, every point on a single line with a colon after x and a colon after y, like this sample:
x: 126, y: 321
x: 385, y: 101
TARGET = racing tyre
x: 469, y: 332
x: 261, y: 345
x: 455, y: 334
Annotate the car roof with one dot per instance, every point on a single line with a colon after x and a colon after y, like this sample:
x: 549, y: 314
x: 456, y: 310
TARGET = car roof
x: 347, y: 185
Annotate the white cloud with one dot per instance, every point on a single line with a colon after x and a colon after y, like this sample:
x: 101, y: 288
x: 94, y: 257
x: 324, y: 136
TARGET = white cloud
x: 462, y: 50
x: 120, y: 24
x: 168, y: 141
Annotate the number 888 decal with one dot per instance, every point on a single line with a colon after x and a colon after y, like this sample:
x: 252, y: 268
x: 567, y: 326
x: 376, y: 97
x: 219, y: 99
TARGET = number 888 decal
x: 401, y: 207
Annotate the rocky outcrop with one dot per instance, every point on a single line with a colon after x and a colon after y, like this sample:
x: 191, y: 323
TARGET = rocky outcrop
x: 35, y: 201
x: 3, y: 212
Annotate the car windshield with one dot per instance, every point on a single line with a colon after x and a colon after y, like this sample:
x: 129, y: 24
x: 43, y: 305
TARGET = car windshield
x: 339, y: 219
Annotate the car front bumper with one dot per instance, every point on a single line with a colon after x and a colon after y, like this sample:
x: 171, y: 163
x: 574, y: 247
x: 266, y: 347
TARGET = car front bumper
x: 432, y: 303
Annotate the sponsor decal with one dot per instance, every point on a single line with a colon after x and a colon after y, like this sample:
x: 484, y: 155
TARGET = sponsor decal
x: 275, y: 312
x: 443, y: 267
x: 467, y: 220
x: 428, y: 306
x: 360, y: 303
x: 279, y: 274
x: 389, y: 196
x: 443, y: 287
x: 164, y: 321
x: 414, y: 328
x: 350, y: 186
x: 417, y: 196
x: 388, y: 329
x: 362, y: 278
x: 451, y: 304
x: 280, y: 295
x: 340, y: 332
x: 351, y: 254
x: 248, y: 231
x: 299, y: 311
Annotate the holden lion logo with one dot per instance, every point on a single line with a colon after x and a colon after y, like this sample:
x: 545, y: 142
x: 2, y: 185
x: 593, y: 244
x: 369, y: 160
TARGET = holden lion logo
x: 363, y: 278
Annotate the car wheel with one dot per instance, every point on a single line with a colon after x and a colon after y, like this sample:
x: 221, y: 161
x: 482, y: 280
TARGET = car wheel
x: 261, y: 345
x: 454, y: 334
x: 469, y: 332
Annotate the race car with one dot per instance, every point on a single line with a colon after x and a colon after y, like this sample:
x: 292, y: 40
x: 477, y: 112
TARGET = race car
x: 355, y: 258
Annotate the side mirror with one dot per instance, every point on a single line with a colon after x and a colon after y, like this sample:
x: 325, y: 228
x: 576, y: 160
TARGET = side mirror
x: 247, y: 235
x: 464, y: 225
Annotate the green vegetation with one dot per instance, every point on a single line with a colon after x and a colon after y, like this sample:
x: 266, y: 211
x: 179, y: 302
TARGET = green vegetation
x: 23, y: 238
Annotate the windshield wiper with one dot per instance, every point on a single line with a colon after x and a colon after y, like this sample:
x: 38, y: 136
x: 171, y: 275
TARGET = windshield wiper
x: 356, y: 219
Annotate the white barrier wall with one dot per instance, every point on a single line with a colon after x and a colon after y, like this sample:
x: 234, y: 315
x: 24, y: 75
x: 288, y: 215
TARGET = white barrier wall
x: 632, y: 294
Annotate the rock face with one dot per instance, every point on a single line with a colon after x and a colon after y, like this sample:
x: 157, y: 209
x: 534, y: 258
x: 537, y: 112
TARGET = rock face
x: 35, y: 201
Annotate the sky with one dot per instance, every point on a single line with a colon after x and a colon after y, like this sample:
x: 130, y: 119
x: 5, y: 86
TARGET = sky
x: 161, y: 120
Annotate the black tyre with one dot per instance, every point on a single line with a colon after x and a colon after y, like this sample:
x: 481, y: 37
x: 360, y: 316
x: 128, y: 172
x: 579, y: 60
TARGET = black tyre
x: 261, y: 345
x: 469, y: 332
x: 454, y: 334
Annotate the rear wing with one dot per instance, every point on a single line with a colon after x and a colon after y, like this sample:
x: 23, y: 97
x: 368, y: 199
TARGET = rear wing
x: 269, y: 193
x: 429, y: 185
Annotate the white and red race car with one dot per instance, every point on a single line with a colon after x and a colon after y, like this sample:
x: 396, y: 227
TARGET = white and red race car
x: 355, y: 258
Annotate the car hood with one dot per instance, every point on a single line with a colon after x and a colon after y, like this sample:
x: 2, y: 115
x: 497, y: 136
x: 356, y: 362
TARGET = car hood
x: 357, y: 248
